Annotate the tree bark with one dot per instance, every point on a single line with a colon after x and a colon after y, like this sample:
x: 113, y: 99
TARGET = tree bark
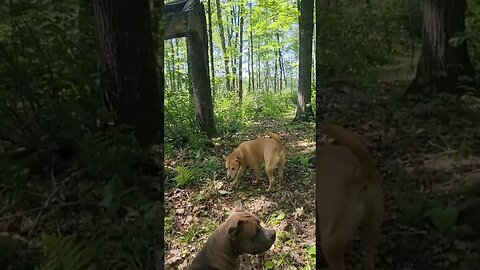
x: 127, y: 65
x: 197, y: 53
x: 222, y: 41
x: 210, y: 40
x: 441, y: 65
x: 304, y: 108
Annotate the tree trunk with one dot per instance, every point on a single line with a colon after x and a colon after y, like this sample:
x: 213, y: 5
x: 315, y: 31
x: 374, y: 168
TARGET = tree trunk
x: 275, y: 71
x: 267, y: 76
x: 251, y: 49
x: 197, y: 53
x: 127, y: 65
x: 240, y: 79
x: 258, y: 66
x: 222, y: 41
x: 441, y: 66
x: 172, y: 68
x: 279, y: 54
x: 235, y: 42
x: 304, y: 108
x: 210, y: 40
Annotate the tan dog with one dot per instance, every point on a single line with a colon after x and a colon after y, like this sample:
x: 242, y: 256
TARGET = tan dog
x: 253, y: 153
x: 241, y: 233
x: 349, y: 196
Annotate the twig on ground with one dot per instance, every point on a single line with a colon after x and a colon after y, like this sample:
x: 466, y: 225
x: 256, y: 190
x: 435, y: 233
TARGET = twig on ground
x: 60, y: 205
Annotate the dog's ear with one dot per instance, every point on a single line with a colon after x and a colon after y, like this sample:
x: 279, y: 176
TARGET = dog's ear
x: 239, y: 157
x: 238, y: 208
x: 233, y: 229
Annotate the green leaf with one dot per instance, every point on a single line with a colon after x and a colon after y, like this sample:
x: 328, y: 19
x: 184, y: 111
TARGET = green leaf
x: 269, y: 265
x: 311, y: 250
x: 184, y: 175
x: 112, y: 195
x: 280, y: 216
x: 443, y: 218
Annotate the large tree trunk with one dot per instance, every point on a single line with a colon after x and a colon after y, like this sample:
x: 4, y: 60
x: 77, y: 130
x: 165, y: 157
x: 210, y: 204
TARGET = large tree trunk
x: 197, y: 53
x: 222, y: 41
x: 240, y: 79
x: 210, y: 40
x: 304, y: 108
x: 127, y: 65
x: 441, y: 65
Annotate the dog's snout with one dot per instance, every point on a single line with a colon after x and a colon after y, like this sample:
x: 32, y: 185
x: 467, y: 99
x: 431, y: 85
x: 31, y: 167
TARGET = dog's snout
x: 271, y: 234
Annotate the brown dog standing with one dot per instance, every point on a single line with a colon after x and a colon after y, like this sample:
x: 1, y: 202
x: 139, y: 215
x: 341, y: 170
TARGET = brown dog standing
x: 241, y: 233
x: 349, y: 196
x: 253, y: 153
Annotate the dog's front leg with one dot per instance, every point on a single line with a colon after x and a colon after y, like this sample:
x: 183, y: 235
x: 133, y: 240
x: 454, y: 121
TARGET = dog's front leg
x: 239, y: 175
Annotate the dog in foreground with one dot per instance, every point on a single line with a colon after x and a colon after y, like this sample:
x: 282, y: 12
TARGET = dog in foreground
x: 349, y: 196
x: 241, y: 233
x: 253, y: 153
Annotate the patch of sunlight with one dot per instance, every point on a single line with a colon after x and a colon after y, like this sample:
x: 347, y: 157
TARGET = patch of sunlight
x: 305, y: 145
x: 445, y: 161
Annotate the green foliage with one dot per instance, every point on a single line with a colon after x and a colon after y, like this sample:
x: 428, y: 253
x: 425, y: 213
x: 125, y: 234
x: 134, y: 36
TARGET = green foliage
x: 67, y: 253
x: 14, y: 180
x: 442, y: 216
x: 355, y: 39
x: 302, y: 160
x: 184, y: 175
x: 472, y: 35
x: 109, y: 154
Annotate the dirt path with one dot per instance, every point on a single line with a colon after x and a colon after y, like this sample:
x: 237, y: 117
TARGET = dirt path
x: 194, y: 210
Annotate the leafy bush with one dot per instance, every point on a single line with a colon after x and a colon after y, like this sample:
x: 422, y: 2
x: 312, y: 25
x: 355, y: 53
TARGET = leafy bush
x: 67, y: 253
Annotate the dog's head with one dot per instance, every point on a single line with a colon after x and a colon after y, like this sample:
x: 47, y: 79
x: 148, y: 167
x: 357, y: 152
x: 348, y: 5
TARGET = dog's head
x: 246, y: 233
x: 232, y: 164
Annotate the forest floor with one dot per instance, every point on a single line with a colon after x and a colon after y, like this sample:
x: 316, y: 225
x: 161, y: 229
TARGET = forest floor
x: 193, y: 211
x: 428, y: 155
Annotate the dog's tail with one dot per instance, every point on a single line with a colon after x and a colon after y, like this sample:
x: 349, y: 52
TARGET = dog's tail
x: 351, y: 141
x: 277, y: 139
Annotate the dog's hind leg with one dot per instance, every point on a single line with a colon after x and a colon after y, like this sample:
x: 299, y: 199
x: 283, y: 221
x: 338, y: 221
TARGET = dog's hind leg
x: 371, y: 232
x: 334, y: 252
x: 281, y: 169
x: 269, y: 168
x: 256, y: 169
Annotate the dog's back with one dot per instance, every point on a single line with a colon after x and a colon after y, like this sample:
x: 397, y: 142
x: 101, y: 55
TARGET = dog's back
x: 349, y: 140
x: 349, y: 195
